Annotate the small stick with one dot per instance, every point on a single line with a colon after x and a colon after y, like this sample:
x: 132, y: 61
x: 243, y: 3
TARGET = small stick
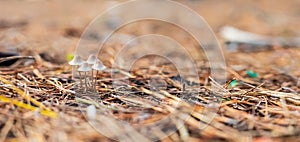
x: 15, y: 57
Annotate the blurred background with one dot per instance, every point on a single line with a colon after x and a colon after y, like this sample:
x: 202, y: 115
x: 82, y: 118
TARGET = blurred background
x: 260, y: 34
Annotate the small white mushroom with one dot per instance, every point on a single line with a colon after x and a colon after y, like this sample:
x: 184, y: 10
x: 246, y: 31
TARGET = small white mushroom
x: 92, y: 59
x: 85, y: 68
x: 91, y: 112
x: 75, y: 63
x: 98, y: 66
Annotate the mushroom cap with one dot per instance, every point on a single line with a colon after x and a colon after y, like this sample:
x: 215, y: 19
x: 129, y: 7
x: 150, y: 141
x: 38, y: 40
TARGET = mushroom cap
x: 84, y: 67
x: 76, y: 61
x: 98, y: 66
x: 92, y: 59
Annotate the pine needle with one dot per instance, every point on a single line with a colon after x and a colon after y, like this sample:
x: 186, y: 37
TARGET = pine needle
x: 48, y: 113
x: 23, y: 94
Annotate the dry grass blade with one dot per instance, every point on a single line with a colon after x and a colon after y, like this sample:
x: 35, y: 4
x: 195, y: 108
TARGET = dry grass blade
x: 48, y: 113
x: 6, y: 129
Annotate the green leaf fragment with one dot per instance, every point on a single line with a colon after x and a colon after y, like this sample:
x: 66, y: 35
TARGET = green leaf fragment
x: 69, y: 56
x: 252, y: 74
x: 225, y: 99
x: 233, y: 83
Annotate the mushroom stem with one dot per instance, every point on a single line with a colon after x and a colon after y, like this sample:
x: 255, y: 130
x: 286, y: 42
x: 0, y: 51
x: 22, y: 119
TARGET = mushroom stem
x: 80, y: 78
x: 74, y: 69
x: 92, y: 78
x: 85, y: 81
x: 96, y: 80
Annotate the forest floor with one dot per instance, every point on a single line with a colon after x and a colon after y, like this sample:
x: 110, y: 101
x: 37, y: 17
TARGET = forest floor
x: 259, y: 101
